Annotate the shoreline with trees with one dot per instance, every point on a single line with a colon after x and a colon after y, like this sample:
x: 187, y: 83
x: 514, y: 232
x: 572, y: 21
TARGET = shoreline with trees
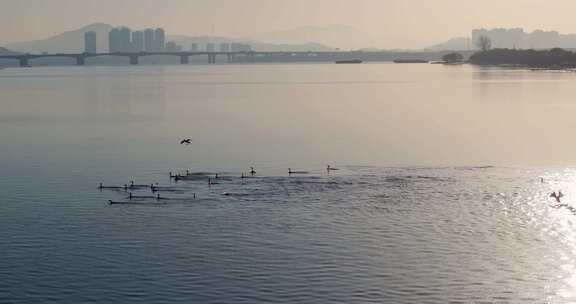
x: 556, y: 58
x: 553, y: 59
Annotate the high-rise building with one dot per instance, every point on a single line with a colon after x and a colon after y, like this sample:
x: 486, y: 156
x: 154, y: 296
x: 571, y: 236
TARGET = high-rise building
x: 194, y: 47
x: 90, y: 42
x: 224, y: 47
x: 160, y: 40
x: 149, y: 40
x: 138, y: 41
x: 210, y: 47
x: 114, y: 40
x: 125, y: 39
x: 122, y: 39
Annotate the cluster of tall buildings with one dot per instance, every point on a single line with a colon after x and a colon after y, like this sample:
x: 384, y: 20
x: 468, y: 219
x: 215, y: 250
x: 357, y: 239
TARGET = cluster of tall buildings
x: 122, y: 39
x: 518, y: 38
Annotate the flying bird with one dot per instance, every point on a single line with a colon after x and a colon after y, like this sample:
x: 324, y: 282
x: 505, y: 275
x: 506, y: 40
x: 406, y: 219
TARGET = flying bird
x: 330, y: 168
x: 186, y: 141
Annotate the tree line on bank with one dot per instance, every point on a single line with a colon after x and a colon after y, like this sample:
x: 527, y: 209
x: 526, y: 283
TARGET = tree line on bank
x: 535, y: 58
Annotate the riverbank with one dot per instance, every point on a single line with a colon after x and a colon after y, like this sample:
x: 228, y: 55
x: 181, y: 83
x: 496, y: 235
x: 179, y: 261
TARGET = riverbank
x: 553, y: 59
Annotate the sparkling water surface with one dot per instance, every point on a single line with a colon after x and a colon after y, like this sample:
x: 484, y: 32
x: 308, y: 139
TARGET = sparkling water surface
x: 438, y: 198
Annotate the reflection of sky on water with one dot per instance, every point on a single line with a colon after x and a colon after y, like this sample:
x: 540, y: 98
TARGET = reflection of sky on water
x: 123, y: 96
x: 562, y: 228
x: 365, y: 114
x: 454, y: 233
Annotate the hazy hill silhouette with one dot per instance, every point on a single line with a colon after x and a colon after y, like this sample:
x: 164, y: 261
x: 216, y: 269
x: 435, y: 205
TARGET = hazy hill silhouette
x: 5, y: 51
x: 454, y: 44
x: 340, y: 36
x: 70, y: 41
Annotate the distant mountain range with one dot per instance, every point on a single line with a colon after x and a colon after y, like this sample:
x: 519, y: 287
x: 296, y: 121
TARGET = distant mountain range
x: 67, y: 42
x: 187, y: 41
x: 306, y: 38
x: 73, y: 41
x: 5, y: 51
x: 338, y: 36
x: 454, y: 44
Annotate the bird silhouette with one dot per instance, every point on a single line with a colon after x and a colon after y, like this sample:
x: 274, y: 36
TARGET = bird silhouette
x: 186, y: 141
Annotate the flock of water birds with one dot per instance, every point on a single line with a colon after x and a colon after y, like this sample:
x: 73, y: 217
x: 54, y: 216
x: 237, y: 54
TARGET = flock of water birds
x: 188, y: 175
x: 156, y: 190
x: 215, y: 178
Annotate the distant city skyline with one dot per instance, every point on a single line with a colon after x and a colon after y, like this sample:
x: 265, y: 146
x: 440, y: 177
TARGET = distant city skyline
x: 143, y: 39
x: 123, y: 39
x: 388, y: 23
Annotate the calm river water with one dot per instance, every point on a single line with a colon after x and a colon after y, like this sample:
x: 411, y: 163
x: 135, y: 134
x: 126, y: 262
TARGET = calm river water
x: 438, y: 198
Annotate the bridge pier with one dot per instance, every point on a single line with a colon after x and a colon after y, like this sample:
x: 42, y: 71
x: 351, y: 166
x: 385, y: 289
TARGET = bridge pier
x: 133, y: 59
x: 184, y: 59
x: 24, y: 61
x: 251, y: 57
x: 80, y: 60
x: 211, y: 58
x: 230, y: 57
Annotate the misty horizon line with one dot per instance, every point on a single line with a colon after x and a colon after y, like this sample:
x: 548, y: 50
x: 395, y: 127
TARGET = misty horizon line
x: 253, y: 37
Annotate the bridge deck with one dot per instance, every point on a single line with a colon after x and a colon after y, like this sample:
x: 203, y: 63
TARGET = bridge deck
x: 24, y: 59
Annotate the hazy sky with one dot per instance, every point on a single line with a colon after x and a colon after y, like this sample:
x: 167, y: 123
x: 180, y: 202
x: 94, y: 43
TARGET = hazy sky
x: 391, y: 23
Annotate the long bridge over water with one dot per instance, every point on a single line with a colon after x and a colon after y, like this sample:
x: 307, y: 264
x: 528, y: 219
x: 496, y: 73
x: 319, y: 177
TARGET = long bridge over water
x: 249, y: 56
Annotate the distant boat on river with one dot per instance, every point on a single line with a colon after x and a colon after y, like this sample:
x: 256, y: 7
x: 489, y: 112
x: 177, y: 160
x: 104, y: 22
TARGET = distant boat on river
x: 411, y: 61
x: 355, y: 61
